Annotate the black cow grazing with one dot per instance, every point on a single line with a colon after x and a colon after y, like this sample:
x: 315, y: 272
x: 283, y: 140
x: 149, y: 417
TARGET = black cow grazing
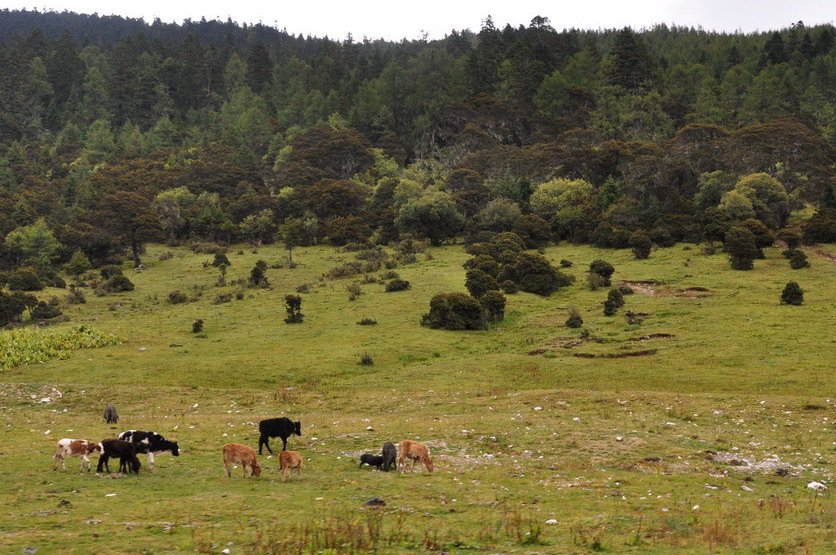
x: 390, y: 454
x: 110, y: 415
x: 151, y: 443
x: 125, y: 450
x: 277, y: 427
x: 371, y: 460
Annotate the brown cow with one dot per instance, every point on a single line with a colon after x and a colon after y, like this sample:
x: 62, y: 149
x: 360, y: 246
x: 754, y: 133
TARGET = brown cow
x: 290, y: 459
x: 235, y: 453
x: 75, y: 448
x: 416, y: 451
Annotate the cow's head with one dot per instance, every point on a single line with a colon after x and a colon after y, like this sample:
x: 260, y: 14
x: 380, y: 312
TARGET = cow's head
x: 94, y: 448
x: 175, y: 449
x: 256, y: 470
x: 297, y: 428
x: 429, y: 462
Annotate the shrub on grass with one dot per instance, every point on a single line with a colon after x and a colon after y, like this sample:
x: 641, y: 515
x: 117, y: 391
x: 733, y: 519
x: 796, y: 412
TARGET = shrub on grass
x: 790, y: 238
x: 610, y: 307
x: 641, y: 244
x: 119, y: 283
x: 197, y: 326
x: 397, y: 285
x: 354, y: 291
x: 110, y: 270
x: 24, y: 279
x: 574, y: 320
x: 220, y: 259
x: 798, y: 259
x: 493, y: 304
x: 454, y: 311
x: 177, y: 297
x: 616, y: 296
x: 75, y: 296
x: 366, y: 360
x: 293, y: 303
x: 565, y: 263
x: 367, y: 322
x: 792, y: 294
x: 478, y: 283
x: 741, y: 247
x: 44, y: 311
x: 603, y: 269
x: 222, y: 298
x: 257, y: 275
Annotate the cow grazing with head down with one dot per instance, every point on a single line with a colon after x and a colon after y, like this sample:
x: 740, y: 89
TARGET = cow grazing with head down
x: 110, y: 415
x: 277, y: 427
x: 415, y: 451
x: 75, y: 448
x: 290, y: 459
x: 235, y: 453
x: 124, y: 450
x: 151, y: 443
x: 389, y: 456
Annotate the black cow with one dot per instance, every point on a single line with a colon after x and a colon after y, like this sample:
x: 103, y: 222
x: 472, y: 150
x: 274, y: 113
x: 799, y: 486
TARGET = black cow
x: 277, y: 427
x: 125, y: 450
x: 110, y: 415
x: 390, y: 454
x: 371, y: 460
x: 151, y: 443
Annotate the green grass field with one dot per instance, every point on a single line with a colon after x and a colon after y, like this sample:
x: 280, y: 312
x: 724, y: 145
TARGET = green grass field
x: 705, y: 443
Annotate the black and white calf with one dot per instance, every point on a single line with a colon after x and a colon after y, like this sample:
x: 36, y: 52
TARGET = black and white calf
x: 151, y: 443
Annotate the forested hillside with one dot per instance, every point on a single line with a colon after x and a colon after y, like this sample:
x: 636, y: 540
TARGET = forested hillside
x: 114, y: 132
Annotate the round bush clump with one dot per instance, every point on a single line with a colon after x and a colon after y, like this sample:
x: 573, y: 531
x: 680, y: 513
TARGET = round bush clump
x: 397, y: 285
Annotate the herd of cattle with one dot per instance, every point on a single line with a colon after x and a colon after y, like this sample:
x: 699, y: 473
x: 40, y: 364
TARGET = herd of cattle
x: 132, y: 442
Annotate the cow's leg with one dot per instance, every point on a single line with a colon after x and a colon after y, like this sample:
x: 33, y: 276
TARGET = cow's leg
x: 103, y: 463
x: 228, y: 473
x: 284, y: 443
x: 84, y: 461
x: 55, y: 458
x: 265, y: 441
x: 150, y: 461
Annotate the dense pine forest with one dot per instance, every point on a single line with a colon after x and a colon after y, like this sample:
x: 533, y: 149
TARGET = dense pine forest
x: 115, y: 132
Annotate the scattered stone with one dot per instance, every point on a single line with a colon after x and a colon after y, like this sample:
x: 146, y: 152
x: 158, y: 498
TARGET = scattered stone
x: 375, y: 502
x: 551, y: 521
x: 816, y: 486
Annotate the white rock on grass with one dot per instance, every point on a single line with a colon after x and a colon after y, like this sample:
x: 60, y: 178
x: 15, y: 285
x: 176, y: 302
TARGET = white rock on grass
x: 816, y: 486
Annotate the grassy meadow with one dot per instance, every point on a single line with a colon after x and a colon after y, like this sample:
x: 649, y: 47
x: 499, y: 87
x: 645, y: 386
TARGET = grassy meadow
x: 695, y: 430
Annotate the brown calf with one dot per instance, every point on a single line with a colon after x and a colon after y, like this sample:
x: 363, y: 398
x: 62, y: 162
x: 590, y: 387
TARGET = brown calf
x: 416, y: 451
x: 235, y: 453
x: 75, y: 448
x: 290, y: 459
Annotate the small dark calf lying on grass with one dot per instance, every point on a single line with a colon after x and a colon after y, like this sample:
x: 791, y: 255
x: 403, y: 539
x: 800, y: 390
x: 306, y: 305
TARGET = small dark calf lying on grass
x: 371, y: 460
x: 125, y: 450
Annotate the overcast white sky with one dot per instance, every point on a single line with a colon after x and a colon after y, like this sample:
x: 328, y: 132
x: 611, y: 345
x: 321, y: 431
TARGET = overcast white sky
x: 394, y: 20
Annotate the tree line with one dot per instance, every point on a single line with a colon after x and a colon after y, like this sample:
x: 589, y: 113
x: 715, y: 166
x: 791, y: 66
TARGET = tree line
x: 114, y: 132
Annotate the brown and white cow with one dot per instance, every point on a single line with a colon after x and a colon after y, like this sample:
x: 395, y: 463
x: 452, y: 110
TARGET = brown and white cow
x: 416, y: 451
x: 68, y: 447
x: 236, y: 453
x: 290, y: 459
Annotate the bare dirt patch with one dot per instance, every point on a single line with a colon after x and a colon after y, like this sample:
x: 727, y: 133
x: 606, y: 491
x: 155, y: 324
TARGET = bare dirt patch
x: 653, y: 288
x: 824, y: 254
x: 646, y: 352
x: 653, y: 336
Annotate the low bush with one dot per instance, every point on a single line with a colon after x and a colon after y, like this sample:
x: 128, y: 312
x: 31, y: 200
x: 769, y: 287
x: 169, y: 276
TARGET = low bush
x: 24, y: 279
x: 792, y: 294
x: 177, y: 297
x: 454, y: 311
x: 119, y: 283
x: 798, y: 259
x: 367, y: 322
x: 397, y: 285
x: 44, y: 311
x: 574, y: 320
